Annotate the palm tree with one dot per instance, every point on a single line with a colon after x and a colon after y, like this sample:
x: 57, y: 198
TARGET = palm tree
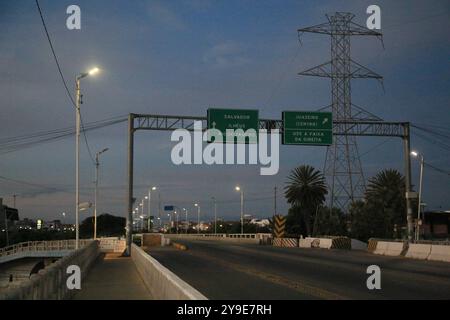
x: 306, y: 190
x: 386, y: 187
x: 387, y: 191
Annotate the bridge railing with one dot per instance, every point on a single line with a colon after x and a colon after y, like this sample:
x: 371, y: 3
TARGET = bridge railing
x: 35, y: 246
x: 51, y: 282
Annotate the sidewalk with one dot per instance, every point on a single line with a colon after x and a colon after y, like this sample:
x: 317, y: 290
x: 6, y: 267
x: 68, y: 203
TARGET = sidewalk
x: 113, y: 278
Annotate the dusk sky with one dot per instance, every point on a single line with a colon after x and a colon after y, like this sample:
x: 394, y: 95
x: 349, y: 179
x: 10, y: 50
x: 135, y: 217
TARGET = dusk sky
x: 183, y: 57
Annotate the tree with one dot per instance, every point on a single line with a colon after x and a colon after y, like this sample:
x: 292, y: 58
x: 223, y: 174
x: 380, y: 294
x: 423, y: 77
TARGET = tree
x: 107, y: 226
x: 305, y: 191
x: 332, y: 223
x: 382, y: 214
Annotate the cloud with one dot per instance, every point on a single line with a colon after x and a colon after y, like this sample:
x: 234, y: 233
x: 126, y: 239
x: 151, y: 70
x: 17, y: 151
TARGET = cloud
x: 225, y: 55
x: 162, y: 14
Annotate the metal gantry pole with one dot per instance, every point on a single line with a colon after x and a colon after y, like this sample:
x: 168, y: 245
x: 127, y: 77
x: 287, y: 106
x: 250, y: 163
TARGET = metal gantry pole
x: 77, y: 162
x: 129, y: 224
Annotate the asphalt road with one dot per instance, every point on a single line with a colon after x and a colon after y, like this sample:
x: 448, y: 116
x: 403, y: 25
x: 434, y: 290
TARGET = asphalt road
x: 243, y: 271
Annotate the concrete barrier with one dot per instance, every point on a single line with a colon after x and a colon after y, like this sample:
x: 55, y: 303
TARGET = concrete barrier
x: 325, y: 243
x: 418, y: 251
x: 162, y: 283
x: 439, y: 253
x: 305, y: 243
x: 394, y: 249
x: 381, y: 247
x: 285, y: 242
x: 390, y: 248
x: 372, y: 245
x: 341, y: 243
x: 112, y: 244
x: 50, y: 283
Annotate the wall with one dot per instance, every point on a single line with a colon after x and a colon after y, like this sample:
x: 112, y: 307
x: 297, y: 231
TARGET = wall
x: 50, y: 283
x: 162, y: 283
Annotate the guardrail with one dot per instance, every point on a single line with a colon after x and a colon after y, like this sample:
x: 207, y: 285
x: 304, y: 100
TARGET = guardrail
x: 50, y: 283
x: 236, y: 237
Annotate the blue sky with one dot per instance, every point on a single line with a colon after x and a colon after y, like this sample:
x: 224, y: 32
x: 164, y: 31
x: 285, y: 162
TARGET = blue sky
x: 181, y: 57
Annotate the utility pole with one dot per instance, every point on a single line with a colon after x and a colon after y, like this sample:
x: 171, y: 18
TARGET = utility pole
x: 408, y: 188
x: 14, y: 201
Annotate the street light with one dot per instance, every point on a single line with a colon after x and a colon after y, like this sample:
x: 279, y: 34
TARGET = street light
x: 215, y: 214
x: 149, y: 197
x: 242, y: 208
x: 97, y: 164
x: 416, y: 154
x: 187, y: 223
x: 77, y: 149
x: 198, y: 216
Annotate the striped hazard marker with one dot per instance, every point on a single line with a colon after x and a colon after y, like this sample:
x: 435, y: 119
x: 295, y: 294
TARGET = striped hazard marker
x: 279, y: 226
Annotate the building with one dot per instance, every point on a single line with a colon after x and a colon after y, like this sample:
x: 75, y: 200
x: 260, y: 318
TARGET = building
x: 260, y: 222
x: 9, y: 214
x: 435, y: 225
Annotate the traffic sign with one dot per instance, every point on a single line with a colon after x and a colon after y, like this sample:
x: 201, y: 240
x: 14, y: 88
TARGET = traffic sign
x: 169, y: 208
x: 307, y: 128
x: 279, y: 224
x: 223, y: 119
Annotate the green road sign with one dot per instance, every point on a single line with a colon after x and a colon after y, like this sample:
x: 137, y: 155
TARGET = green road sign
x: 308, y: 128
x: 234, y: 119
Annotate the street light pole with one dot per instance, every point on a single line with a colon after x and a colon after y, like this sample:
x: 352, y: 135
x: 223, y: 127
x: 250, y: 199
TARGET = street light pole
x: 97, y: 164
x: 419, y: 207
x: 215, y: 215
x: 77, y: 151
x: 198, y: 217
x: 149, y: 226
x: 77, y: 159
x: 242, y: 208
x: 187, y: 223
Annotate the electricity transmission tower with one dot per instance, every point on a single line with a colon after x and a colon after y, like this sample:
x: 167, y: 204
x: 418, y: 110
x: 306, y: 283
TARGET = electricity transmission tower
x: 343, y: 165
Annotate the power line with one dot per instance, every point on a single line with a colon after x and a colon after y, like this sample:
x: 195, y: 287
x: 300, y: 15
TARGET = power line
x: 26, y: 141
x: 54, y: 54
x: 437, y: 169
x: 63, y: 79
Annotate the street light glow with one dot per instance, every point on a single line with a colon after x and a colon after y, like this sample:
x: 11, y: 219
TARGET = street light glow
x: 196, y: 204
x: 153, y: 188
x: 414, y: 153
x: 238, y: 188
x: 146, y: 197
x: 93, y: 71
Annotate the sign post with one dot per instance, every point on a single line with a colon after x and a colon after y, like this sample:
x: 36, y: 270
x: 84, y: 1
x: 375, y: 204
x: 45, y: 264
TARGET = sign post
x: 307, y: 128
